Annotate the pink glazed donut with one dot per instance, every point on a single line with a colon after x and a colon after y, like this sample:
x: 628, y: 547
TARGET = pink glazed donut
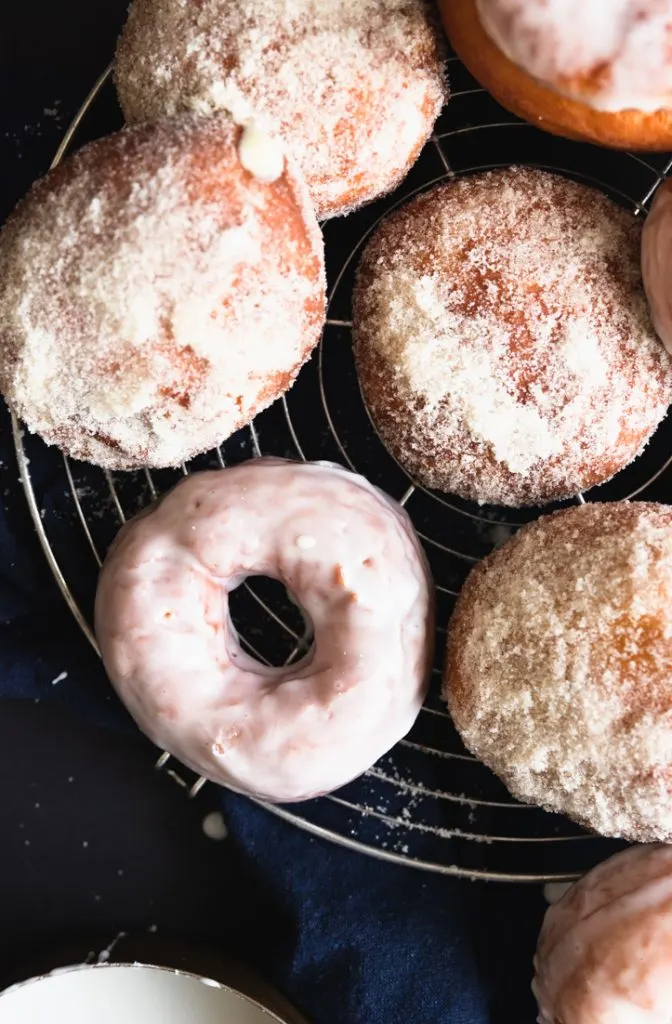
x: 657, y: 262
x: 349, y: 556
x: 605, y: 950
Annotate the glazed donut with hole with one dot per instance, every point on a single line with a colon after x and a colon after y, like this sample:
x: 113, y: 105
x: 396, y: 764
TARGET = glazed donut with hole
x: 348, y: 555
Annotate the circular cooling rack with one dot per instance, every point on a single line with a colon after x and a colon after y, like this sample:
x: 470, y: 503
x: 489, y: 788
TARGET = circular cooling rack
x: 427, y: 803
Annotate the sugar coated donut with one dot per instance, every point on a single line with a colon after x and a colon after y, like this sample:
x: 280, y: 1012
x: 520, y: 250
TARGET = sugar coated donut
x: 354, y: 86
x: 503, y: 341
x: 157, y: 290
x: 587, y: 69
x: 559, y: 667
x: 605, y: 951
x: 657, y: 262
x: 349, y: 556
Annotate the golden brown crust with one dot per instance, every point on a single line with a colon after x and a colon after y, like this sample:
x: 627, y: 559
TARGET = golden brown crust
x: 541, y: 106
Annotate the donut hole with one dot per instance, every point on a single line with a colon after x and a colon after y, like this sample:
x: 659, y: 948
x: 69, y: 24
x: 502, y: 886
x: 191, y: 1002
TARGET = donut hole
x: 269, y: 620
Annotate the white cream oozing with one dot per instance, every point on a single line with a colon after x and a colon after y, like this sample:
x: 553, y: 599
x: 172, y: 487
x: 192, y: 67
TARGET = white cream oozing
x: 261, y: 154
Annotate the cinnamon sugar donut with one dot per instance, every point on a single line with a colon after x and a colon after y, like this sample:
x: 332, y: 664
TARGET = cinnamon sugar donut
x: 157, y: 291
x: 349, y: 556
x: 559, y: 666
x: 604, y: 954
x: 503, y: 341
x: 587, y: 69
x: 354, y: 86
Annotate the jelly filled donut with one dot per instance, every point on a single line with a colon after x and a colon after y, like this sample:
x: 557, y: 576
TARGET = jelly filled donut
x: 605, y: 951
x: 503, y: 341
x: 157, y: 291
x: 559, y: 666
x: 350, y: 558
x: 599, y: 70
x: 354, y: 86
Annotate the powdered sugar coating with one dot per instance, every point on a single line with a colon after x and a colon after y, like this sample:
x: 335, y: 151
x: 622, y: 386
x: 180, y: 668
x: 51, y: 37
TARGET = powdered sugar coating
x: 605, y: 951
x: 503, y: 341
x: 155, y: 296
x: 657, y: 262
x: 559, y: 666
x: 172, y: 652
x: 614, y: 55
x: 354, y: 87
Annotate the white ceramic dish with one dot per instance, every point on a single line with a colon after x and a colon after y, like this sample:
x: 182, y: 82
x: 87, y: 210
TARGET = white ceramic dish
x: 128, y: 993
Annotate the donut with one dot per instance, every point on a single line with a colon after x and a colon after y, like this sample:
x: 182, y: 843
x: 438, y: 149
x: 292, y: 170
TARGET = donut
x: 158, y: 290
x: 604, y: 954
x: 503, y: 341
x: 586, y: 69
x: 559, y: 666
x: 349, y: 557
x: 354, y: 87
x: 657, y: 262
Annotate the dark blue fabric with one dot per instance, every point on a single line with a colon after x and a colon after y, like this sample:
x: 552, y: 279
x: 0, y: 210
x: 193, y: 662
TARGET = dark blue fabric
x: 365, y: 942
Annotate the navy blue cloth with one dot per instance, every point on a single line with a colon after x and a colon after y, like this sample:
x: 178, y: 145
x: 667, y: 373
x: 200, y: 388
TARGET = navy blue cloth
x: 350, y: 939
x: 354, y: 940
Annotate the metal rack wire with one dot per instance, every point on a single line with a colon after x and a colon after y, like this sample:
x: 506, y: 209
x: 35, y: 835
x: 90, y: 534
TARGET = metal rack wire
x: 427, y: 803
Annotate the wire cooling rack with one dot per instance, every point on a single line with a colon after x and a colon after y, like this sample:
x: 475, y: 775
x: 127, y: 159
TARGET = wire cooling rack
x: 427, y: 803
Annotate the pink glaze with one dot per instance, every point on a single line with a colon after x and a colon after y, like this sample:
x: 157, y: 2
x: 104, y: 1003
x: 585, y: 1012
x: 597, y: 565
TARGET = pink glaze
x: 657, y: 262
x: 611, y: 54
x: 349, y: 556
x: 605, y: 950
